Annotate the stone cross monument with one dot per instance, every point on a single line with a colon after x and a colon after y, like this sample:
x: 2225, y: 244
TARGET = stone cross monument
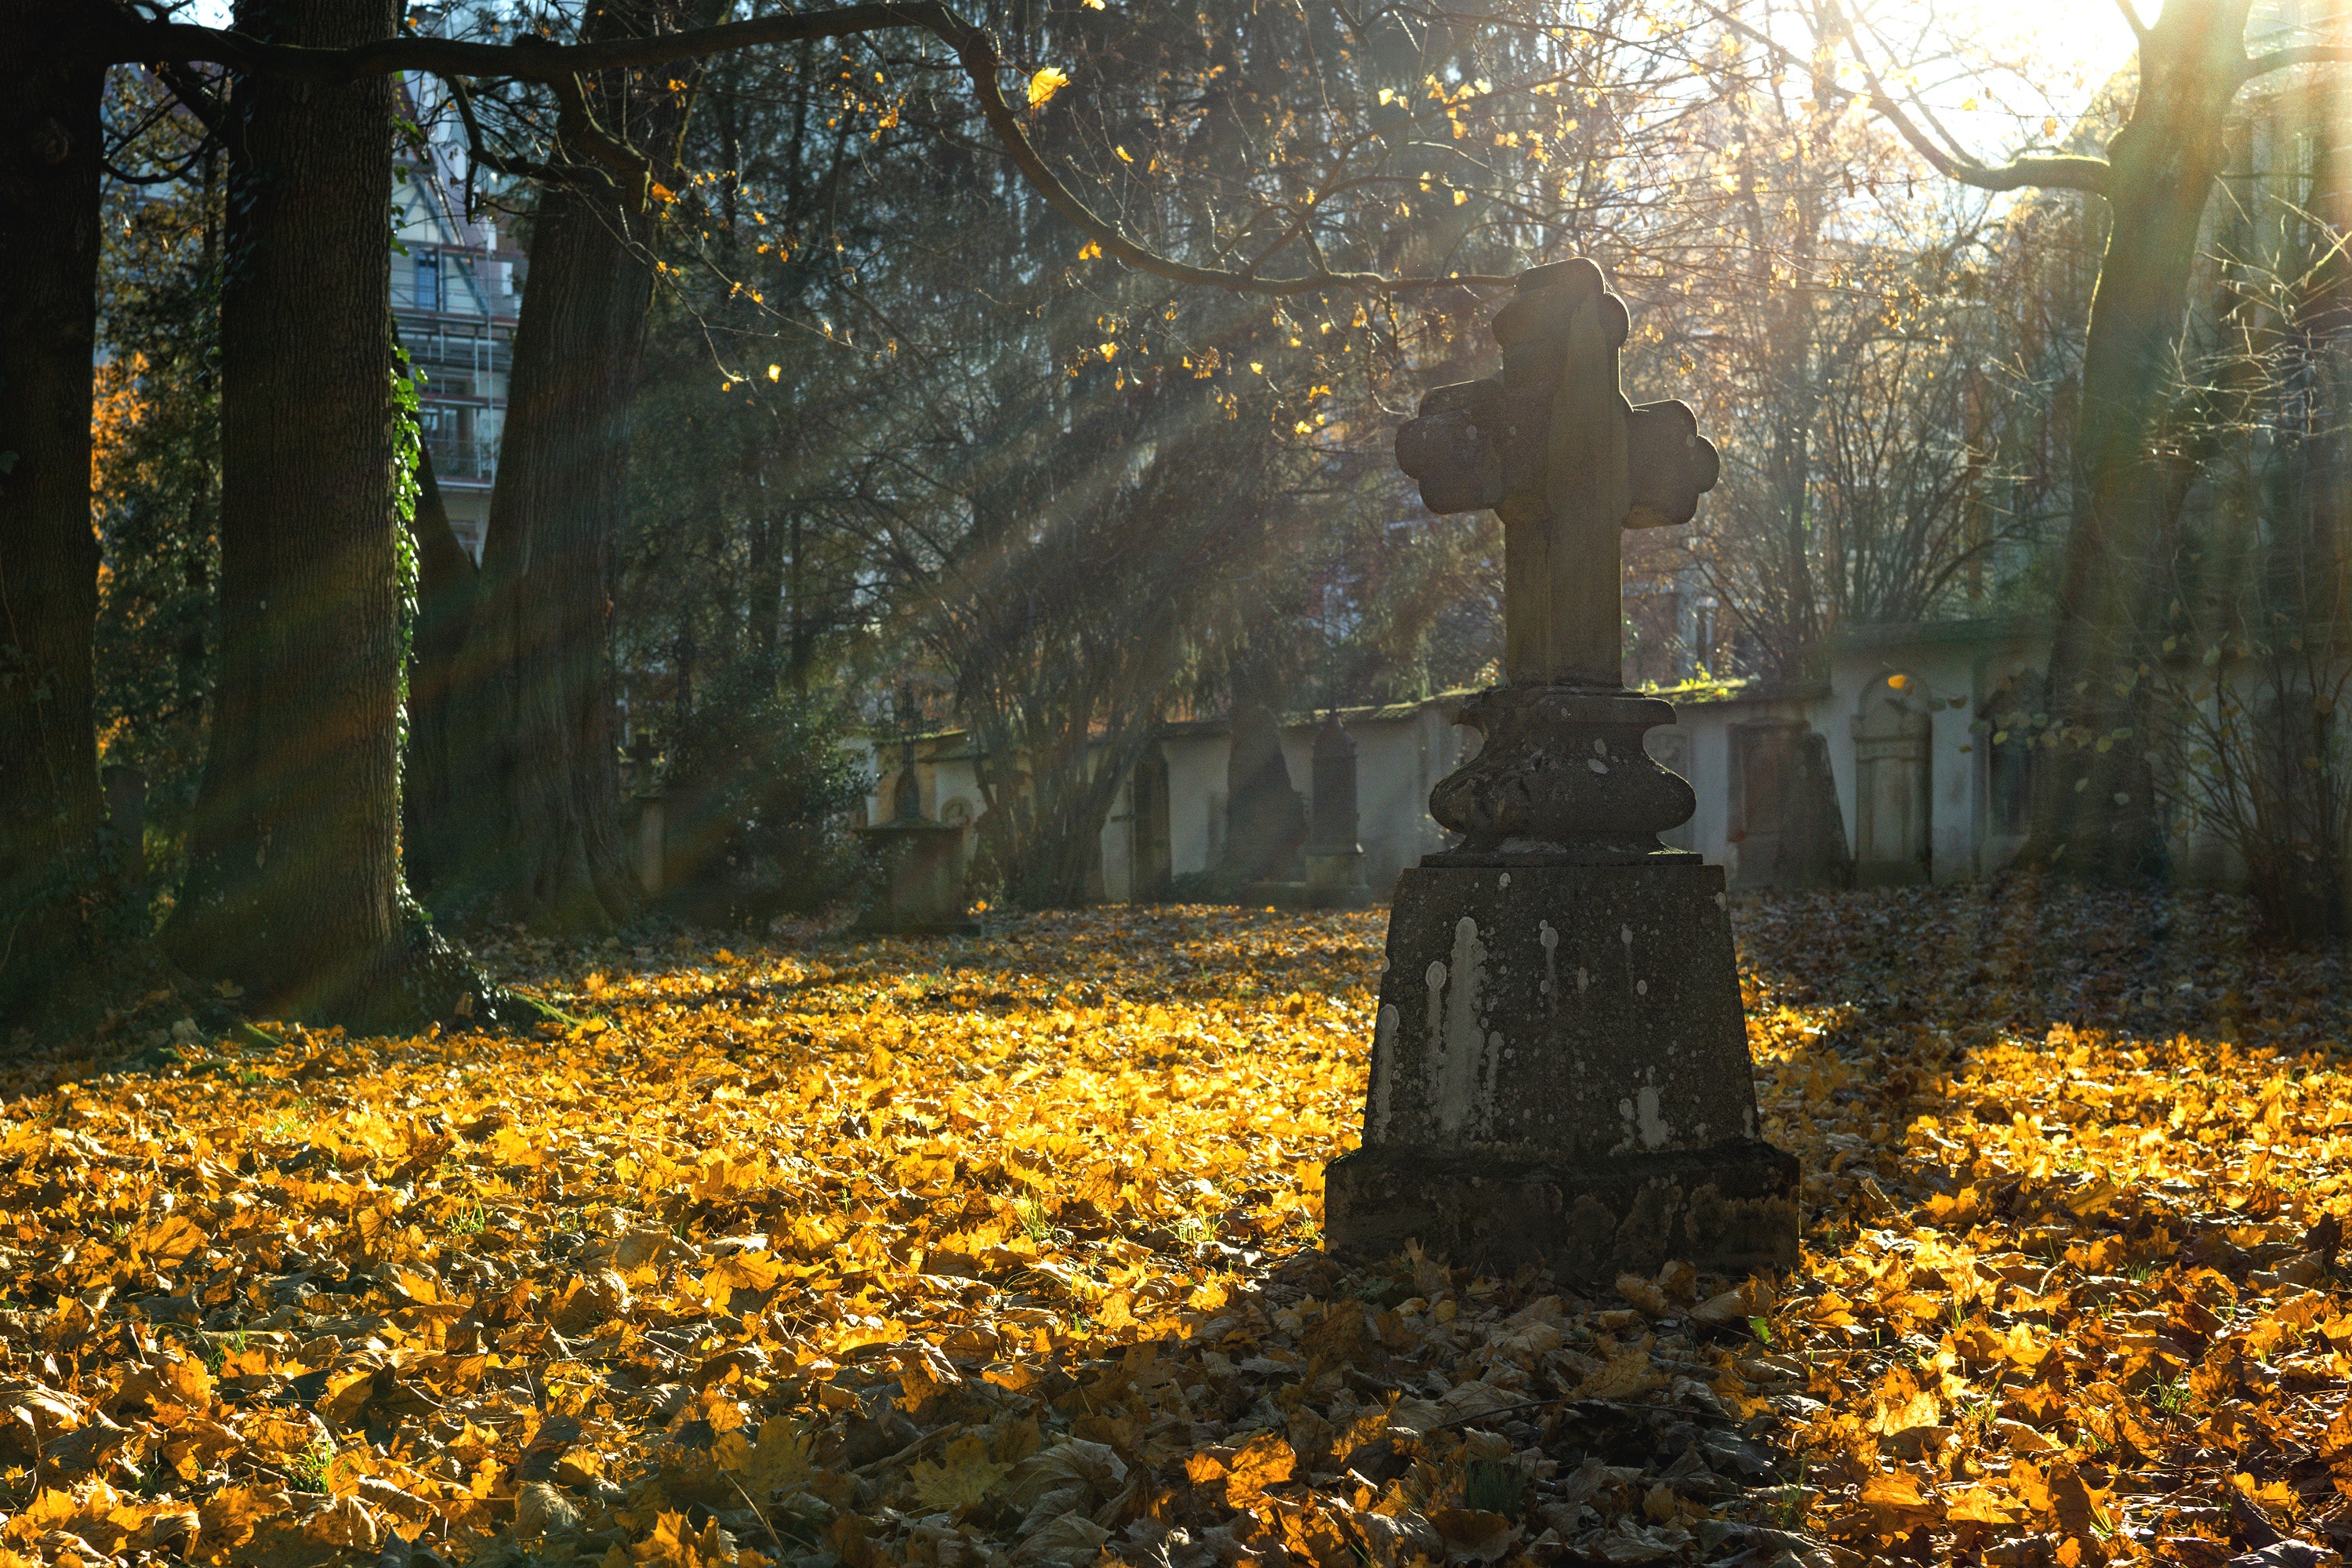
x: 1559, y: 1066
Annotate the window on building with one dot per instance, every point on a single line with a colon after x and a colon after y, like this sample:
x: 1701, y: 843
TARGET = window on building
x: 428, y: 280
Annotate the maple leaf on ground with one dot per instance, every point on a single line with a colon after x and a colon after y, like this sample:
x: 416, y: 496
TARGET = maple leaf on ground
x: 962, y: 1476
x: 779, y: 1461
x: 1265, y: 1461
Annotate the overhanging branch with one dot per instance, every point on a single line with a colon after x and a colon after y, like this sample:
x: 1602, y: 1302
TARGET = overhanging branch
x: 2301, y: 55
x: 2062, y: 173
x: 561, y: 65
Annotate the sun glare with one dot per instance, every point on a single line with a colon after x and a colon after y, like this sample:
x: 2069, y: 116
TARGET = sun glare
x: 2048, y: 60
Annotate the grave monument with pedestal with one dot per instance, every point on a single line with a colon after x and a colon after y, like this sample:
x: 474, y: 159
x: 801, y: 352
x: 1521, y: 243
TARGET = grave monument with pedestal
x: 1559, y: 1070
x: 920, y: 864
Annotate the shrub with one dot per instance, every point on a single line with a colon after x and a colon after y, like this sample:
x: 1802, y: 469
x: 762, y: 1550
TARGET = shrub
x: 759, y: 787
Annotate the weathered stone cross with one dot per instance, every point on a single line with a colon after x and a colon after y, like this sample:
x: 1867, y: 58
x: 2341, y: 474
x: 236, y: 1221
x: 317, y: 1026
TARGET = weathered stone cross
x: 1559, y: 1067
x: 1553, y: 446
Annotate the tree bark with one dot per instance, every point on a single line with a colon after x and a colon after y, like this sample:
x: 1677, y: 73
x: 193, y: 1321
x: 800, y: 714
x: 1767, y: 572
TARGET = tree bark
x: 52, y: 76
x: 2094, y: 812
x: 432, y: 801
x: 541, y: 806
x: 294, y: 888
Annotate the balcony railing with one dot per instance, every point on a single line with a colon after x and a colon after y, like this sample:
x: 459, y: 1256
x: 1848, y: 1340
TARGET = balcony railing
x: 456, y: 459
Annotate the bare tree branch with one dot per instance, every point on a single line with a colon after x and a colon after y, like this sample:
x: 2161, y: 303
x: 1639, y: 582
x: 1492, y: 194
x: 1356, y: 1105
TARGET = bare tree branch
x: 2064, y: 172
x: 2301, y: 55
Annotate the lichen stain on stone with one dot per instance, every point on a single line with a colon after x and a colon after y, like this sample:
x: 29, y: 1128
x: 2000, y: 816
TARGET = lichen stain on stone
x: 1551, y: 941
x: 1655, y: 1130
x: 1459, y: 1064
x: 1436, y: 983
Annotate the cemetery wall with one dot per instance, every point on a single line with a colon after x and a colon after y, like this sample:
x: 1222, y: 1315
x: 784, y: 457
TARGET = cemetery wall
x: 1919, y: 795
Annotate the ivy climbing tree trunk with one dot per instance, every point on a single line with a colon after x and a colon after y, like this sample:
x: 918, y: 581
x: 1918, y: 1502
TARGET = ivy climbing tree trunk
x: 294, y: 889
x: 52, y: 75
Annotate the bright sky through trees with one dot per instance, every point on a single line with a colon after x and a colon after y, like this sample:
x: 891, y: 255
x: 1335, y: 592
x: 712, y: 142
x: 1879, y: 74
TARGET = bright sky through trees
x: 2004, y: 68
x: 2069, y: 45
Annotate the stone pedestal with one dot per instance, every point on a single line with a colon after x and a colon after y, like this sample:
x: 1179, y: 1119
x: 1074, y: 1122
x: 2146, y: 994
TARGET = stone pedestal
x: 1335, y: 880
x: 1560, y: 1072
x: 921, y: 893
x: 653, y: 828
x: 1561, y: 1076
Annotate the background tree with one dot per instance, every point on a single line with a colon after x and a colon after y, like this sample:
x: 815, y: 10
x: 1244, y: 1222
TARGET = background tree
x: 294, y: 891
x: 156, y: 472
x: 1022, y: 471
x: 538, y: 811
x: 2095, y: 810
x: 1871, y: 352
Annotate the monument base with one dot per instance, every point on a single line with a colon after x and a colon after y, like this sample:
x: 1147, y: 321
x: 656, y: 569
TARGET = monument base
x: 1335, y: 879
x: 1731, y: 1209
x: 1560, y: 1072
x: 921, y: 872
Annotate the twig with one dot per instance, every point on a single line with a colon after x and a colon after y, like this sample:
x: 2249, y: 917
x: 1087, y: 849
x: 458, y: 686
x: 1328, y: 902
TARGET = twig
x: 560, y: 66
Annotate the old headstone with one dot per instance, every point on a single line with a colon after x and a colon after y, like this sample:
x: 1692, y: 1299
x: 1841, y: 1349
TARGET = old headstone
x: 918, y: 866
x: 1265, y: 821
x: 1892, y: 751
x: 1559, y: 1065
x: 1786, y: 830
x: 1335, y: 861
x: 1812, y: 833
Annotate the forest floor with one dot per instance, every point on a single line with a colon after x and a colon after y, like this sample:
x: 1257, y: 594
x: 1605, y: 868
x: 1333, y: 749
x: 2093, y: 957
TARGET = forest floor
x: 1001, y: 1253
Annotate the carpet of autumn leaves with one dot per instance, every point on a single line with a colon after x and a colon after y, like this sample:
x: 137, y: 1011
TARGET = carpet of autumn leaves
x: 1001, y: 1253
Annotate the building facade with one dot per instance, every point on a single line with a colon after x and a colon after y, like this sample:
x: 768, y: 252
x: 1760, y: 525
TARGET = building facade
x: 456, y: 291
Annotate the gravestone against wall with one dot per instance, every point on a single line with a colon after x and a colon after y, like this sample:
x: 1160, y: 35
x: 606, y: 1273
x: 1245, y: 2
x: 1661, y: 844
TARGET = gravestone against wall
x: 1335, y: 861
x: 1266, y: 820
x: 1891, y: 786
x: 1559, y: 1063
x: 917, y: 871
x: 1785, y: 825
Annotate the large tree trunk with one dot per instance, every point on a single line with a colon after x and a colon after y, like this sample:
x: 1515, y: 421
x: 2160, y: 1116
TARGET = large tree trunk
x: 294, y: 887
x: 52, y: 75
x: 2094, y: 811
x: 541, y: 802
